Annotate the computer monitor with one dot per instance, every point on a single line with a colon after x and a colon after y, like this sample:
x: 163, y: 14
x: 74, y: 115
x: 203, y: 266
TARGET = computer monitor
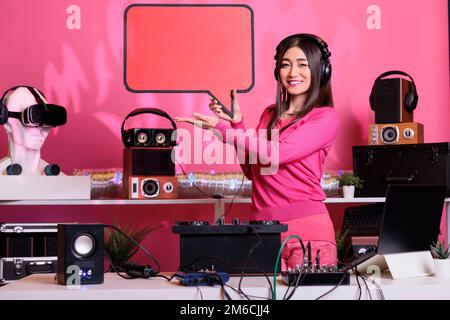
x: 410, y: 224
x: 411, y: 218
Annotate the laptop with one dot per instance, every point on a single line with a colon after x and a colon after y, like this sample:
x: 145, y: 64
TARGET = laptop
x: 410, y: 221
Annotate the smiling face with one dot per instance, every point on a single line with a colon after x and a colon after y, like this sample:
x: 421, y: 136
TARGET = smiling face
x: 295, y: 74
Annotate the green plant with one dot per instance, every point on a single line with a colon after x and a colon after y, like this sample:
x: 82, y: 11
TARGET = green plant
x: 349, y: 179
x: 440, y: 250
x: 118, y: 247
x: 342, y: 244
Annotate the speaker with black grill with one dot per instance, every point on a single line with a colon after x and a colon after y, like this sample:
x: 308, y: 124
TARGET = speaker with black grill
x: 150, y: 138
x: 148, y: 162
x: 80, y: 253
x: 393, y: 99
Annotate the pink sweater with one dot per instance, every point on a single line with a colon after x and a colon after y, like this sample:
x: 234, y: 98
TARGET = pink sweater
x: 294, y: 191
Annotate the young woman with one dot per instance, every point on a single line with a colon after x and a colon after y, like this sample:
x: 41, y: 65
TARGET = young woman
x: 303, y: 125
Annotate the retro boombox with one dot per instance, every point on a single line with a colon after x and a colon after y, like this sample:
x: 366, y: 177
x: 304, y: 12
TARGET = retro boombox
x: 144, y: 137
x: 145, y: 187
x: 149, y: 137
x: 148, y: 167
x: 396, y: 133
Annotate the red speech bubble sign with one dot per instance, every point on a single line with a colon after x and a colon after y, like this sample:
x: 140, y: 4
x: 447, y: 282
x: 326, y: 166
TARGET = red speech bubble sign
x: 189, y: 48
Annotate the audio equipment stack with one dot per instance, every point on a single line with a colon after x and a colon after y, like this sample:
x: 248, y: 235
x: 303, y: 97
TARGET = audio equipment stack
x: 396, y: 153
x: 231, y: 247
x: 148, y: 167
x: 394, y: 101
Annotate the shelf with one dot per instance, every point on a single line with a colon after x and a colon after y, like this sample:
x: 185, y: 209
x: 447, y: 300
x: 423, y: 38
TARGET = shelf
x: 219, y: 204
x: 105, y: 202
x: 114, y: 202
x: 327, y: 200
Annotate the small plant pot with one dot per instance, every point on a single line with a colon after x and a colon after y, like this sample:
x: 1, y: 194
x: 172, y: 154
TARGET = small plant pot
x: 348, y: 191
x: 442, y: 268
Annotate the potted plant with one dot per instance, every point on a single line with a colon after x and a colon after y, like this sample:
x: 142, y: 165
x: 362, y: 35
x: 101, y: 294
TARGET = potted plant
x: 343, y: 245
x: 118, y: 248
x: 348, y: 181
x: 440, y: 251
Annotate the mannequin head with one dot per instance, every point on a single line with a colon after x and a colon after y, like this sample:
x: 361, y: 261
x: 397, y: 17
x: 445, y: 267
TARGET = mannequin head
x: 19, y: 135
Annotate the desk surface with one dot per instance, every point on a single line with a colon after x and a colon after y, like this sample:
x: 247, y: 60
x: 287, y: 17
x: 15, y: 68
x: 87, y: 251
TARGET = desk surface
x: 44, y: 287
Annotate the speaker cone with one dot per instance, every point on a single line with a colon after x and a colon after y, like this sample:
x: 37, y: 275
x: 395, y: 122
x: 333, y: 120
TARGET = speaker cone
x: 150, y: 188
x: 389, y: 134
x: 141, y: 137
x: 84, y: 245
x: 160, y: 138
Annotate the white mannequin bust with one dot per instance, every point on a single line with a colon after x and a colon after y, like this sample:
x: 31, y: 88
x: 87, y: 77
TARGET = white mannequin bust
x: 24, y: 142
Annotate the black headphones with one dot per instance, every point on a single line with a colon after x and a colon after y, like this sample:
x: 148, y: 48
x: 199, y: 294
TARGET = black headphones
x: 325, y: 65
x: 4, y: 109
x: 156, y: 111
x: 411, y: 96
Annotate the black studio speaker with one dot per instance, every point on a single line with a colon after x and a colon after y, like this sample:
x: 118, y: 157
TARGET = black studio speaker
x: 80, y: 253
x: 393, y: 99
x: 148, y: 162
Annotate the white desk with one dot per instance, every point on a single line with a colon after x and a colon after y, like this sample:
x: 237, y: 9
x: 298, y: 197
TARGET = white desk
x: 44, y: 287
x: 219, y: 204
x: 219, y: 207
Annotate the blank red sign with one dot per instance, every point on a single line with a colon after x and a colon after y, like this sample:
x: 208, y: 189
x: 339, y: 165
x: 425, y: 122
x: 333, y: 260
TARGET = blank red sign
x: 189, y: 48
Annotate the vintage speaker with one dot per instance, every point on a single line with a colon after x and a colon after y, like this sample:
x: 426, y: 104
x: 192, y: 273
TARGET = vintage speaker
x: 393, y: 100
x: 147, y: 187
x: 143, y: 161
x: 80, y: 253
x: 396, y: 133
x: 150, y: 138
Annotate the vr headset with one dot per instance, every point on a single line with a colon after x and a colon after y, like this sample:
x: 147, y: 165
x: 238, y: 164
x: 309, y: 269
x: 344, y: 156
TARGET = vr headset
x: 37, y: 115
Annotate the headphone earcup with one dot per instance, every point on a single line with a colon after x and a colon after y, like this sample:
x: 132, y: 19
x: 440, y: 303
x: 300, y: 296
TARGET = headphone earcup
x: 52, y: 170
x: 414, y: 101
x: 411, y: 98
x: 3, y: 114
x: 371, y: 99
x: 276, y: 59
x: 410, y: 101
x: 14, y: 169
x: 325, y: 72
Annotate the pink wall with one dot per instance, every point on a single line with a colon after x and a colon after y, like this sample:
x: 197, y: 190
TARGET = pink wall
x: 82, y: 69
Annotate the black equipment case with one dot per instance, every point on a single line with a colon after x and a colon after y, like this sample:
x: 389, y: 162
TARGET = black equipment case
x: 229, y: 247
x: 27, y: 248
x: 379, y: 166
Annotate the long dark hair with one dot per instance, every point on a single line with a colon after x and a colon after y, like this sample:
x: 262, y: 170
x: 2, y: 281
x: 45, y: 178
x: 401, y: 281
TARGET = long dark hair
x: 318, y: 96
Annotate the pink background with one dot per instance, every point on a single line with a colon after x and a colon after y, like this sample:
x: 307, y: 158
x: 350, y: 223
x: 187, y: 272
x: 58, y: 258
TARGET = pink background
x: 190, y: 43
x: 83, y: 71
